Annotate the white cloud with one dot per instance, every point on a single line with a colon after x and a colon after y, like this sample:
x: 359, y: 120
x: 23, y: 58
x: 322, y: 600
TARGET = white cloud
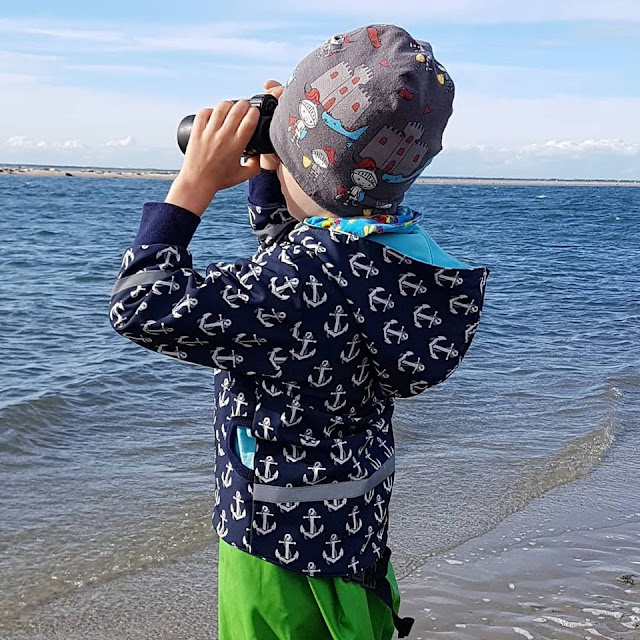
x: 124, y: 142
x: 576, y: 148
x: 72, y: 144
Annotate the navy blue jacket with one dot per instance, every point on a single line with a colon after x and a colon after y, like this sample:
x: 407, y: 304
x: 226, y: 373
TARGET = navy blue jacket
x: 310, y: 339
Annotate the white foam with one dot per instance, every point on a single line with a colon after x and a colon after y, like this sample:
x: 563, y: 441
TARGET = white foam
x: 523, y: 632
x: 604, y: 612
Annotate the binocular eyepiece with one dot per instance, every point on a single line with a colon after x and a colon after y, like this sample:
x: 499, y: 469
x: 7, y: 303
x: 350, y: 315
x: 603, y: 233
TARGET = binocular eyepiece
x: 260, y: 141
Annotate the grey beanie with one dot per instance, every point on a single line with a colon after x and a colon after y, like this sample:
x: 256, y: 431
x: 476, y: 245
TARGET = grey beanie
x: 361, y: 117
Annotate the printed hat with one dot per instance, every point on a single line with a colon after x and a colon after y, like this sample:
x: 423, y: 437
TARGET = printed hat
x: 361, y: 117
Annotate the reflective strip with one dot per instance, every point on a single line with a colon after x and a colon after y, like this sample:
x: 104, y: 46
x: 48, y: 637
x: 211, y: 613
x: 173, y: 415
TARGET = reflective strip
x: 333, y: 491
x: 138, y: 279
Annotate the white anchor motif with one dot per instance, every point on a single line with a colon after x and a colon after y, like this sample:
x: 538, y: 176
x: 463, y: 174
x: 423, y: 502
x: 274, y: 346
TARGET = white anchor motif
x: 434, y: 347
x: 221, y: 529
x: 337, y: 404
x: 338, y: 328
x: 359, y: 267
x: 381, y: 514
x: 404, y: 284
x: 483, y: 281
x: 400, y: 333
x: 245, y: 340
x: 367, y: 442
x: 375, y: 463
x: 187, y: 303
x: 147, y: 328
x: 376, y: 550
x: 231, y: 297
x: 336, y: 504
x: 293, y: 418
x: 363, y: 374
x: 265, y: 423
x: 167, y: 252
x: 420, y: 385
x: 357, y: 522
x: 226, y: 476
x: 333, y: 542
x: 176, y: 353
x: 254, y: 271
x: 457, y: 303
x: 370, y: 533
x: 245, y: 542
x: 311, y: 569
x: 384, y: 446
x: 404, y: 364
x: 362, y: 473
x: 316, y: 469
x: 267, y: 476
x: 419, y: 314
x: 306, y: 341
x: 322, y: 380
x: 127, y: 259
x: 388, y: 254
x: 442, y: 279
x: 115, y: 314
x: 285, y: 259
x: 353, y: 349
x: 239, y: 402
x: 279, y: 290
x: 237, y: 510
x: 137, y: 338
x: 353, y: 565
x: 187, y: 341
x: 313, y: 531
x: 267, y: 317
x: 340, y: 279
x: 223, y: 398
x: 277, y: 360
x: 374, y: 297
x: 387, y: 483
x: 137, y: 291
x: 208, y: 327
x: 217, y: 356
x: 470, y: 331
x: 341, y: 457
x: 271, y: 389
x: 265, y: 528
x: 288, y: 542
x: 296, y: 454
x: 316, y: 247
x: 316, y: 299
x: 288, y: 506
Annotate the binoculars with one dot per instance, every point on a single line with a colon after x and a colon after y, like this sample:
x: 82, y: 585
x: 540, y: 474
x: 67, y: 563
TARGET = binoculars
x: 260, y: 141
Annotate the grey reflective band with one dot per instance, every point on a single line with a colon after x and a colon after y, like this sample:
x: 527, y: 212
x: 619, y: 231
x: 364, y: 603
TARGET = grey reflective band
x: 333, y: 491
x: 138, y: 279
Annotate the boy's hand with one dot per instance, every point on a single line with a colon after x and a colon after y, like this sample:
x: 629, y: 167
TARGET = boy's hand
x: 212, y: 160
x: 271, y: 161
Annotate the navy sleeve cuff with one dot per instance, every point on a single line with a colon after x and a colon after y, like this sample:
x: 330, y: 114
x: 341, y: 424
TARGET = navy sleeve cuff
x: 265, y: 190
x: 164, y: 223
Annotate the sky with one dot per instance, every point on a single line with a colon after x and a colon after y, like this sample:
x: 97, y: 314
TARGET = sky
x: 549, y: 89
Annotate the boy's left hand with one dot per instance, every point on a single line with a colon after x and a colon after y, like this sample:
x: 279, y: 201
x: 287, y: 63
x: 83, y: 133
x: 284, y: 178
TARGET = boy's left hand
x: 212, y: 159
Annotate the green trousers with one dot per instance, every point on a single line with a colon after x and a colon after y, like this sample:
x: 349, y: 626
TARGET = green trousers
x: 258, y: 600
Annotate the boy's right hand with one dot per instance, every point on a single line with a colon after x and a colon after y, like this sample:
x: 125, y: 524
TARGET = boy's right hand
x: 270, y: 161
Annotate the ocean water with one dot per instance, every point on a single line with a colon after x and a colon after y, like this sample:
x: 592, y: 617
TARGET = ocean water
x: 106, y: 449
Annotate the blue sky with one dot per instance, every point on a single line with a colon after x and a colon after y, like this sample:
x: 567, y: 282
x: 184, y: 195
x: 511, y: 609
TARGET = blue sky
x: 551, y: 90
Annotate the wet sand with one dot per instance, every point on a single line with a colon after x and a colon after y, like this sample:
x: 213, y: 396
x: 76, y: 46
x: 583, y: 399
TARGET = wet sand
x: 90, y: 172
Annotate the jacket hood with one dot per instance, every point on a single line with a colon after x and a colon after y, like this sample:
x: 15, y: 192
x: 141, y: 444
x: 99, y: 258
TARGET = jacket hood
x: 416, y: 319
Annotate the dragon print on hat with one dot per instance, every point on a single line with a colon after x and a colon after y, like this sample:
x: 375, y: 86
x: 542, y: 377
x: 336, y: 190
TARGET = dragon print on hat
x: 360, y: 119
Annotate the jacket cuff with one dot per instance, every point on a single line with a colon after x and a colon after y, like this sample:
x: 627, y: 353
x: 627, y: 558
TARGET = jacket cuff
x: 164, y: 223
x: 265, y: 190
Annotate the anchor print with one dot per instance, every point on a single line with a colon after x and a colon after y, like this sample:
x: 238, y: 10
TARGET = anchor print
x: 442, y: 280
x: 333, y: 542
x: 370, y: 533
x: 231, y: 297
x: 336, y: 504
x: 288, y: 557
x: 340, y: 279
x: 458, y: 303
x: 315, y: 299
x: 175, y: 353
x: 267, y: 476
x: 226, y: 476
x: 322, y: 380
x: 115, y: 314
x: 170, y: 285
x: 295, y: 415
x: 341, y: 457
x: 390, y: 331
x: 218, y: 357
x: 381, y: 506
x: 167, y: 253
x: 237, y: 510
x: 338, y: 328
x: 470, y: 331
x: 374, y: 297
x: 222, y: 529
x: 356, y: 524
x: 187, y: 303
x: 337, y: 403
x: 292, y: 453
x: 265, y: 423
x: 435, y: 347
x: 311, y: 569
x: 419, y: 314
x: 406, y: 287
x: 405, y: 364
x: 352, y: 351
x: 361, y: 473
x: 268, y: 318
x: 147, y: 327
x: 265, y: 527
x: 362, y: 373
x: 316, y: 469
x: 254, y: 271
x: 307, y: 439
x: 211, y: 328
x: 359, y: 268
x: 280, y: 290
x: 313, y: 530
x: 245, y: 340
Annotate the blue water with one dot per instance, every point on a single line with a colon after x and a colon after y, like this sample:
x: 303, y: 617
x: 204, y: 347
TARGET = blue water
x: 105, y: 449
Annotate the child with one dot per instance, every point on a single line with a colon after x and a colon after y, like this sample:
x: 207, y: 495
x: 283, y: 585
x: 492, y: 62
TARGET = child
x: 314, y: 335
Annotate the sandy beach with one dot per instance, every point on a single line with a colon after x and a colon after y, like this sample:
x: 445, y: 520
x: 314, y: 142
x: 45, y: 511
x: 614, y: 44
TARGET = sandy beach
x: 97, y: 172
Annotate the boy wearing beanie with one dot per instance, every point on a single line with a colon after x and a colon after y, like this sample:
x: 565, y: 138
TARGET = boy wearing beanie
x: 346, y: 304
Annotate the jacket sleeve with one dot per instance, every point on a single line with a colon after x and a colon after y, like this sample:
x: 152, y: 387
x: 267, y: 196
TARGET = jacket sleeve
x: 267, y: 208
x: 238, y: 316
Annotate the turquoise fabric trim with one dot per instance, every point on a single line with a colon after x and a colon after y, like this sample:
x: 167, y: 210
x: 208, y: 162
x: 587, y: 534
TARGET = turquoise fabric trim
x: 245, y: 446
x: 419, y: 245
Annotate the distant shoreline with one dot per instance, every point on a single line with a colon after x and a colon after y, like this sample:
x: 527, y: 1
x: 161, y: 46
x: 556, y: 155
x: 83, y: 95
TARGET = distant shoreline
x: 156, y: 174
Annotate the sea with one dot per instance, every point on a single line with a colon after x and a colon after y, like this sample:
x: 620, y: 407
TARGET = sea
x: 106, y: 449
